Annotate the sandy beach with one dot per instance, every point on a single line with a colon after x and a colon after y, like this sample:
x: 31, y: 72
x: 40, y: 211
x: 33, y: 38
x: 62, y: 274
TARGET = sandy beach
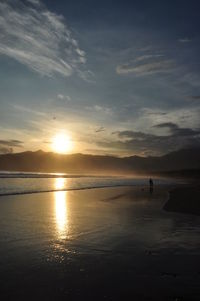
x: 98, y: 244
x: 184, y: 200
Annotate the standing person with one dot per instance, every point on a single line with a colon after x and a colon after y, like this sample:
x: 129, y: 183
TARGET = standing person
x: 151, y: 185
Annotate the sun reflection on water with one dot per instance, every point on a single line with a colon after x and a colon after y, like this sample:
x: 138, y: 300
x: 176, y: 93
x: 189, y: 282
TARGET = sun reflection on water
x: 60, y: 183
x: 61, y: 211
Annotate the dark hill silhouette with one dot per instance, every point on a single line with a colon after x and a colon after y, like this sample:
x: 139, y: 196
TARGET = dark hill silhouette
x: 186, y: 159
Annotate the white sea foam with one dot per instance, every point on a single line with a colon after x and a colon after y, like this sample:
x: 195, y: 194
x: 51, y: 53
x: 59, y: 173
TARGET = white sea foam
x: 22, y: 182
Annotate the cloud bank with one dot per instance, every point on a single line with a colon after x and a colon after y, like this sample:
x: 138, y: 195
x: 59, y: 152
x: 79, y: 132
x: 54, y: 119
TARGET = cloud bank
x: 151, y: 144
x: 6, y: 146
x: 38, y: 38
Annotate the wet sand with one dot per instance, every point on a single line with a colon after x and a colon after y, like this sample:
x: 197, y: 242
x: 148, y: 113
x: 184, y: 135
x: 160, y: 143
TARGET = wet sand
x: 99, y: 244
x: 184, y: 200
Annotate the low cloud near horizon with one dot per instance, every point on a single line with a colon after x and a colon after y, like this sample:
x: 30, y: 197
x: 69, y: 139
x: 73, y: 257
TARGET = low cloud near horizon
x: 151, y: 144
x: 7, y: 146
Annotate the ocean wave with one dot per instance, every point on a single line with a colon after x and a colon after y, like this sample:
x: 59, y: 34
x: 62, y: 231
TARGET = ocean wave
x: 67, y: 189
x: 35, y: 175
x: 28, y: 185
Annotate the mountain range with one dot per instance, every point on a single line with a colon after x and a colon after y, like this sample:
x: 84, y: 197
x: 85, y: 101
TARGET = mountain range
x: 40, y: 161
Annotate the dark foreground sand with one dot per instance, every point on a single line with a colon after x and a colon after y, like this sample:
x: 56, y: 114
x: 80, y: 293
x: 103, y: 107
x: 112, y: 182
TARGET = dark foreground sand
x: 184, y: 200
x: 100, y: 244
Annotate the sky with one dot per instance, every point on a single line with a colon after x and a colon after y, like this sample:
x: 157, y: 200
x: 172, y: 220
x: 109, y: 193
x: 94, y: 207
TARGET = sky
x: 118, y: 77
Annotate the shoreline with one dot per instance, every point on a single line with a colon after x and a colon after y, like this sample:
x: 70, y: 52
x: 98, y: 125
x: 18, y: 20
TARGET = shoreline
x: 85, y: 188
x: 177, y: 201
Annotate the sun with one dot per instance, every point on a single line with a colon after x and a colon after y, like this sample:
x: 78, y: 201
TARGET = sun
x: 62, y: 143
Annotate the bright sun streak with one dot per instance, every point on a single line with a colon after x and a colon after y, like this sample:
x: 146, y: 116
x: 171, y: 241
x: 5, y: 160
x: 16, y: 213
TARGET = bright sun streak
x: 62, y: 143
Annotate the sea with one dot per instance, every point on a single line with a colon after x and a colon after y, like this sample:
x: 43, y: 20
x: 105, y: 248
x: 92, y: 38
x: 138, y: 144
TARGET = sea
x: 12, y: 183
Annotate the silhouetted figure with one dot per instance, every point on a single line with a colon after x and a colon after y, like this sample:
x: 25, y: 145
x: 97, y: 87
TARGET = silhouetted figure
x: 150, y: 185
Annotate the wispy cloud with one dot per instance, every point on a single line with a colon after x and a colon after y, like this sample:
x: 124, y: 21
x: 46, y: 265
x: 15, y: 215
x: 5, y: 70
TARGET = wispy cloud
x: 184, y: 117
x: 144, y: 65
x: 101, y: 110
x: 170, y: 125
x: 38, y: 38
x: 13, y: 143
x: 34, y: 2
x: 28, y: 110
x: 195, y: 97
x: 64, y: 98
x: 148, y: 56
x: 100, y: 129
x: 6, y: 146
x: 184, y: 40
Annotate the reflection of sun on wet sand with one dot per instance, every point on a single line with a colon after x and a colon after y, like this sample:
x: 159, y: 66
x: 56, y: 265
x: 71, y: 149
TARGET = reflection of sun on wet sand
x: 61, y: 213
x: 120, y: 242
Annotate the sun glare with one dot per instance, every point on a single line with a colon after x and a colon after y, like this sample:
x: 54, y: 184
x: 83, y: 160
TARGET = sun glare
x: 62, y: 143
